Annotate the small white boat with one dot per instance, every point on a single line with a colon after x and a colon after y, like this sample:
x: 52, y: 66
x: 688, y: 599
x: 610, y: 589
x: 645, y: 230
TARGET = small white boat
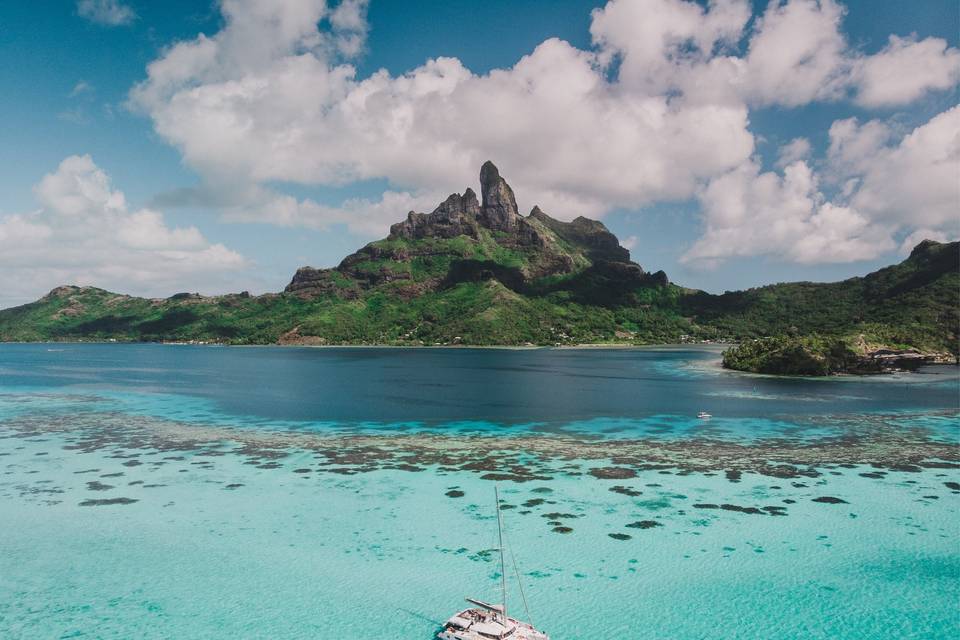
x: 703, y: 415
x: 486, y: 621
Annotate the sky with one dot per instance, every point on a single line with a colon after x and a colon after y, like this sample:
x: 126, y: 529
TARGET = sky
x: 152, y: 148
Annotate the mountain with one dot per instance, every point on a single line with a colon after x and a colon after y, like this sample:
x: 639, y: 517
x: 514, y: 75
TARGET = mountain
x: 896, y: 317
x: 465, y: 240
x: 476, y: 271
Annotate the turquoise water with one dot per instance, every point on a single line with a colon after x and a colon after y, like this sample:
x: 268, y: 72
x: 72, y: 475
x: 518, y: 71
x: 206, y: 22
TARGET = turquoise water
x: 201, y: 492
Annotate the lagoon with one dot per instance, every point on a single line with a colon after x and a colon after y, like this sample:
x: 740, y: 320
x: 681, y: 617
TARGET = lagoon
x: 163, y: 491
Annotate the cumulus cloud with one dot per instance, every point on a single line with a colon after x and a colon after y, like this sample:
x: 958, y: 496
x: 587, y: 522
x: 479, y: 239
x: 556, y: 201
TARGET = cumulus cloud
x: 797, y: 54
x: 85, y: 233
x: 796, y: 149
x: 566, y: 138
x: 913, y: 181
x: 349, y: 21
x: 111, y: 13
x: 361, y: 216
x: 905, y: 70
x: 786, y: 215
x: 884, y: 188
x: 657, y: 109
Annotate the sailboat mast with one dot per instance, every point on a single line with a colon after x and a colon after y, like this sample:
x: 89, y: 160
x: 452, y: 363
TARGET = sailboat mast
x: 503, y: 564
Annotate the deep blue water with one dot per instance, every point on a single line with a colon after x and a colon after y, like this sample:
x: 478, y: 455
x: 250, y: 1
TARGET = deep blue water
x: 437, y: 386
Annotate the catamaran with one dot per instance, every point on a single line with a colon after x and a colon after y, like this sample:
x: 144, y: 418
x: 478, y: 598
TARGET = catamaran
x: 485, y: 621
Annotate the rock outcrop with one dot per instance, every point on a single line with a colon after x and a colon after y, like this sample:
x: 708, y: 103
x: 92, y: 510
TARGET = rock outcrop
x: 456, y: 216
x: 591, y: 234
x: 498, y: 210
x: 490, y: 240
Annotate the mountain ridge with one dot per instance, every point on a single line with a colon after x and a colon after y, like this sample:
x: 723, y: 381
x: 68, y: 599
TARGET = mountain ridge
x: 476, y: 271
x: 552, y: 247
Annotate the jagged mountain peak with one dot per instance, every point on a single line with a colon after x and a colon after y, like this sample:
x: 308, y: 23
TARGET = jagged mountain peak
x: 466, y: 238
x: 498, y: 207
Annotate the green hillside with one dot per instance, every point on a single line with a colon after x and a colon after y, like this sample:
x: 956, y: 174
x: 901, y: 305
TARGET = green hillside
x: 475, y: 271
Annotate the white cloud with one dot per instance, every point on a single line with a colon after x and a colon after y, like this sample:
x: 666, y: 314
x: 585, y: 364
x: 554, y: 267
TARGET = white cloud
x: 658, y: 109
x: 566, y: 137
x: 797, y: 54
x: 914, y: 182
x: 362, y: 216
x: 82, y: 87
x: 349, y: 21
x: 905, y: 70
x: 910, y: 186
x: 111, y: 13
x: 796, y: 149
x: 784, y: 215
x: 660, y: 44
x: 84, y: 233
x: 79, y: 188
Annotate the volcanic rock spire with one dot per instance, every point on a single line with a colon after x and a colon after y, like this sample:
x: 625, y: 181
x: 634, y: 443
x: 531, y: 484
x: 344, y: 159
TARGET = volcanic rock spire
x: 498, y: 209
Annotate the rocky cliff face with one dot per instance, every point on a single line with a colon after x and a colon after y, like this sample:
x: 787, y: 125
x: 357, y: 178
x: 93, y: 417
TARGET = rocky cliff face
x: 499, y: 208
x: 456, y: 216
x: 469, y: 239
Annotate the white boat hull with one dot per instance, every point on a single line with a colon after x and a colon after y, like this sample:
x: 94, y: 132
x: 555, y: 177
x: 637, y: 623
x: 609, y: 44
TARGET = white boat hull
x: 480, y: 624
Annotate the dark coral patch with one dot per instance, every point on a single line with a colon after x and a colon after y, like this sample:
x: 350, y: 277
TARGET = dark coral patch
x: 107, y: 501
x: 909, y: 468
x: 613, y: 473
x: 739, y: 509
x: 559, y: 516
x: 619, y: 536
x: 98, y: 486
x: 644, y: 524
x: 455, y: 493
x: 829, y: 500
x: 627, y: 491
x: 562, y: 529
x: 510, y: 477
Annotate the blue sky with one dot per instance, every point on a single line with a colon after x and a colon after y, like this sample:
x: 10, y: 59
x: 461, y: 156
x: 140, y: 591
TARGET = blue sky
x: 198, y: 213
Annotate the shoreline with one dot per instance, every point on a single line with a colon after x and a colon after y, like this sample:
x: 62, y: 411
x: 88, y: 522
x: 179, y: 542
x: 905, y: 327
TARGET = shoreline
x: 507, y: 347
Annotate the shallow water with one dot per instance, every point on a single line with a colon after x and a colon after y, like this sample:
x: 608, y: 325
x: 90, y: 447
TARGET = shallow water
x: 202, y: 492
